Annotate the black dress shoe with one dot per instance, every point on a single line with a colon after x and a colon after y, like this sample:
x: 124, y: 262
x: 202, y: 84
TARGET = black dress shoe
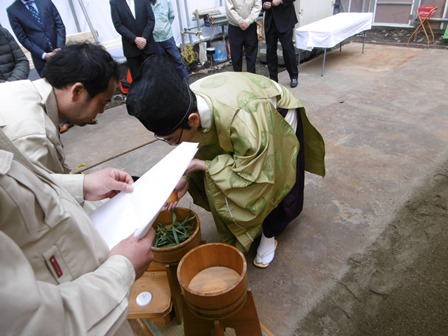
x: 294, y: 82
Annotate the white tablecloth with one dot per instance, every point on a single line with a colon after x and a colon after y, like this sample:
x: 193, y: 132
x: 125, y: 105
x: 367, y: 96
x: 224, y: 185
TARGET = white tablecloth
x: 328, y: 32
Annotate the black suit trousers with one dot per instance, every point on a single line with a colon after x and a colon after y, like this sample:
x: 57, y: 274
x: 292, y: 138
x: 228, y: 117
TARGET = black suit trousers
x: 243, y: 39
x: 134, y: 63
x: 289, y: 54
x: 291, y: 206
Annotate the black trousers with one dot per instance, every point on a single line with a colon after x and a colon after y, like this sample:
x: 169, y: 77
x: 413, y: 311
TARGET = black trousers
x: 291, y: 206
x: 134, y: 63
x: 246, y: 39
x: 289, y: 53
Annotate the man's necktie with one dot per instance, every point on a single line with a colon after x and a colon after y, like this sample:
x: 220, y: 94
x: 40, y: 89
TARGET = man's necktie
x: 35, y: 13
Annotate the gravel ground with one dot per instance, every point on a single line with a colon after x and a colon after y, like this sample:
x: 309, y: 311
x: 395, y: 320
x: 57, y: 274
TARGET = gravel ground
x: 400, y: 36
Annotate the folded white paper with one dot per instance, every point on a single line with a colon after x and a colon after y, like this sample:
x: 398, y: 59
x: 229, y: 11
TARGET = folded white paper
x: 135, y: 212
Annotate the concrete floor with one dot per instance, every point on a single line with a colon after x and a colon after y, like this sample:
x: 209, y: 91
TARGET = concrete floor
x: 384, y: 117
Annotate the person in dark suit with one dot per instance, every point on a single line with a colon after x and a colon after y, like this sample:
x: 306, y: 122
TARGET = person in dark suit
x: 279, y: 21
x: 134, y: 21
x: 38, y: 27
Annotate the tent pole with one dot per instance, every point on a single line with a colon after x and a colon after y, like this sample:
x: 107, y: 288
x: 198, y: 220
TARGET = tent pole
x: 187, y: 11
x: 92, y: 30
x: 78, y: 28
x: 180, y: 23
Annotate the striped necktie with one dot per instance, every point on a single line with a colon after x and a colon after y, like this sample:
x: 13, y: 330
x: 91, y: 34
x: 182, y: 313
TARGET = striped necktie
x: 33, y: 11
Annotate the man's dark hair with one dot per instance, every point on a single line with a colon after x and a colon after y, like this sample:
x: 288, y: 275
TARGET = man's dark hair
x: 86, y: 63
x: 160, y: 98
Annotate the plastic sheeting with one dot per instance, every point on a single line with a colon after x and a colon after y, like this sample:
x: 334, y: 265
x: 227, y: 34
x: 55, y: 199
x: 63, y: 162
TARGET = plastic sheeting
x: 98, y: 12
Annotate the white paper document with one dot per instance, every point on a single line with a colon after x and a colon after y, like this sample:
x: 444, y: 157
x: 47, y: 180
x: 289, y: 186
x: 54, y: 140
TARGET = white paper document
x: 135, y: 212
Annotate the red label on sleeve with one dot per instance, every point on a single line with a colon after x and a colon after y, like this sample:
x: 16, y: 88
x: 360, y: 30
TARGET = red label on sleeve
x: 56, y: 266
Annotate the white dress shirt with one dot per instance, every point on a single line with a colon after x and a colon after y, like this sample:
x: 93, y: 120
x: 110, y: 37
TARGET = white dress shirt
x: 131, y: 6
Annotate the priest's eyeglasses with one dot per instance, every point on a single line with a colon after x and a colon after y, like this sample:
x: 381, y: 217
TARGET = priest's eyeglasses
x: 169, y: 140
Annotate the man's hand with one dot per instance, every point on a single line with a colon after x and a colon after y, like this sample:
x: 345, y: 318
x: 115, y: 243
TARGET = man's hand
x: 138, y: 251
x: 243, y: 25
x: 172, y: 201
x: 140, y: 42
x: 196, y: 165
x: 106, y: 183
x: 51, y: 54
x: 276, y: 3
x: 182, y: 186
x: 267, y: 5
x: 180, y: 190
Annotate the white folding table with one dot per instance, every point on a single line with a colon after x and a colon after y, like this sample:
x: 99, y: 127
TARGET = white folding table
x: 328, y: 32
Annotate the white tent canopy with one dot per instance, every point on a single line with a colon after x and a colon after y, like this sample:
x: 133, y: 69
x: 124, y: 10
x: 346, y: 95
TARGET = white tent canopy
x: 94, y: 15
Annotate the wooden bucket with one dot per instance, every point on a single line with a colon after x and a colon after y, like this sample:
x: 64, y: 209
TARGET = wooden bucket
x: 173, y: 254
x: 213, y: 278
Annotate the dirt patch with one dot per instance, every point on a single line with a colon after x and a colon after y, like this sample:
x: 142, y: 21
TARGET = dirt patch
x: 399, y: 286
x: 400, y: 36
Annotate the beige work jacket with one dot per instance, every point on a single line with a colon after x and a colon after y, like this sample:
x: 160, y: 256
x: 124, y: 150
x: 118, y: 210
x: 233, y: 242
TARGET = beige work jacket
x: 29, y: 117
x: 56, y: 277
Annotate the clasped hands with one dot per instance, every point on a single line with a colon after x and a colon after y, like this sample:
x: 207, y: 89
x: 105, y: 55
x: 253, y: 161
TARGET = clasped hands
x: 140, y: 42
x: 50, y: 54
x: 274, y: 3
x: 243, y: 25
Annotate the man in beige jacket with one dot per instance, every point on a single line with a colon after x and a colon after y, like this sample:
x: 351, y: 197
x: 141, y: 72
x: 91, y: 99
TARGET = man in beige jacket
x: 58, y: 276
x: 242, y: 31
x: 79, y: 81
